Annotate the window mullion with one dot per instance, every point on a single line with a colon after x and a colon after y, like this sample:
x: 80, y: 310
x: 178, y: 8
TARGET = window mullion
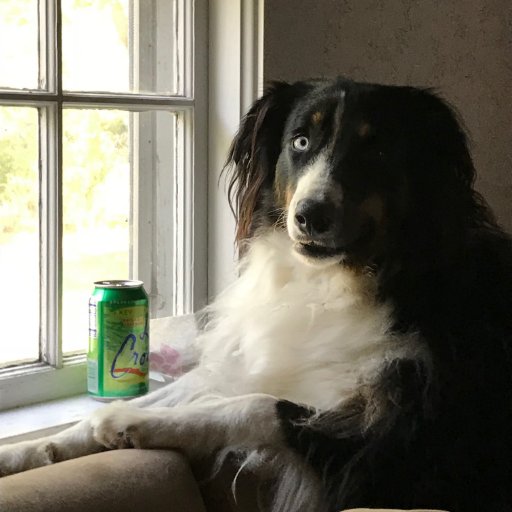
x: 51, y: 162
x: 183, y: 221
x: 190, y: 184
x: 141, y: 213
x: 48, y: 44
x: 43, y: 35
x: 183, y: 42
x: 51, y: 246
x: 198, y: 153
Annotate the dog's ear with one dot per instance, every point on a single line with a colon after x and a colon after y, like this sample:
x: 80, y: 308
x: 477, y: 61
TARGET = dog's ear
x: 449, y: 140
x: 449, y: 171
x: 254, y: 153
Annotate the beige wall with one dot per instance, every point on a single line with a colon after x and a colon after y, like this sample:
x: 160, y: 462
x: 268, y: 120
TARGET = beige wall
x: 463, y: 48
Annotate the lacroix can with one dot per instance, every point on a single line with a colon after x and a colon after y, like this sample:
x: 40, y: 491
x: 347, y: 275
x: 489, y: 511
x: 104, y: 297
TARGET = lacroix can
x: 118, y: 356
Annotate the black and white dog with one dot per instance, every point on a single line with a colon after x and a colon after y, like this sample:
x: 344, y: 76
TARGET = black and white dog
x: 364, y: 354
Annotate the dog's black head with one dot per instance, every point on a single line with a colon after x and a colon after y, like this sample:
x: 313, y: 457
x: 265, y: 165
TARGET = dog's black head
x: 354, y: 172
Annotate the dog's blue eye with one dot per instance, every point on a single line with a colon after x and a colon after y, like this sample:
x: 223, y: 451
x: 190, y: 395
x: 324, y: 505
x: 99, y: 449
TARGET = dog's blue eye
x: 300, y: 143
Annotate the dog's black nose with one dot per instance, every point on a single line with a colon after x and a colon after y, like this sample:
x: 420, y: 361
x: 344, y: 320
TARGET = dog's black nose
x: 312, y: 217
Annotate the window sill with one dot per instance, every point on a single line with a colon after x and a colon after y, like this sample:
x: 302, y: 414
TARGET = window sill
x: 33, y: 421
x: 43, y: 419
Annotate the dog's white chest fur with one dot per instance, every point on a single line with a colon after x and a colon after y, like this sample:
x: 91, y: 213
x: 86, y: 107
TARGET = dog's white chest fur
x: 306, y: 334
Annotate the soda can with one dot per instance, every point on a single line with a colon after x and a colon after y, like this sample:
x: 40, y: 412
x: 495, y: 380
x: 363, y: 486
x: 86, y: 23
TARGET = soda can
x: 118, y: 356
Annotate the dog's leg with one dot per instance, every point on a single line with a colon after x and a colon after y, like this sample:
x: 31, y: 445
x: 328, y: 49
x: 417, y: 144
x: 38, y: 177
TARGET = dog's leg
x: 78, y: 441
x: 73, y: 442
x: 251, y: 423
x: 185, y: 389
x: 197, y: 429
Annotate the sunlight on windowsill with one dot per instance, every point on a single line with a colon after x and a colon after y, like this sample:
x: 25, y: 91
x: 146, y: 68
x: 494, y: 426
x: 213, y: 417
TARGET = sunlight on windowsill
x: 47, y: 418
x: 42, y: 419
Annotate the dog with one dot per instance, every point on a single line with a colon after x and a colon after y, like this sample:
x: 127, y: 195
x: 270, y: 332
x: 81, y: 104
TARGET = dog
x: 363, y: 356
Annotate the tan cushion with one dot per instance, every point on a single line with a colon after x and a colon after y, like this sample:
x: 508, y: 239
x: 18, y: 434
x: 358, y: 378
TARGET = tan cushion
x: 116, y: 481
x: 125, y: 481
x: 390, y: 510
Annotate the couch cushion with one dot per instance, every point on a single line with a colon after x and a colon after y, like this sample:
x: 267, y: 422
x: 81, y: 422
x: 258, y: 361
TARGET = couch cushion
x: 115, y: 481
x: 390, y: 510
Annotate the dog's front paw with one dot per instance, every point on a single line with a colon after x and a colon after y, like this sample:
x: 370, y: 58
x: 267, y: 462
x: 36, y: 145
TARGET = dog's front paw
x: 119, y: 426
x: 15, y: 458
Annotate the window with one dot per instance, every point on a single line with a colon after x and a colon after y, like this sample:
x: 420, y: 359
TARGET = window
x: 102, y: 173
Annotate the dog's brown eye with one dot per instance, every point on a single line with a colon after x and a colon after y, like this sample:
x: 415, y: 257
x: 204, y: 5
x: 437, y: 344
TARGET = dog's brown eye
x: 300, y: 143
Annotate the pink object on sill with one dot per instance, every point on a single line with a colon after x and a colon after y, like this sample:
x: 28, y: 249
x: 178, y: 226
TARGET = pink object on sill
x: 167, y: 361
x: 172, y: 345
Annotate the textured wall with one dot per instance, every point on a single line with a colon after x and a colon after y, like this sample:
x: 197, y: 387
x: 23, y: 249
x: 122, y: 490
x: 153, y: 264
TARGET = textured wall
x: 463, y: 48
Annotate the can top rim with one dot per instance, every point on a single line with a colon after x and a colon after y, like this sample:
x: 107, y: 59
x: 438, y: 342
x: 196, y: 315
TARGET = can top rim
x: 118, y: 283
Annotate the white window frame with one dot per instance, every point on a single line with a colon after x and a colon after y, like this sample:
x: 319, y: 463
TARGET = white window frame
x: 228, y: 42
x: 56, y: 375
x: 236, y: 30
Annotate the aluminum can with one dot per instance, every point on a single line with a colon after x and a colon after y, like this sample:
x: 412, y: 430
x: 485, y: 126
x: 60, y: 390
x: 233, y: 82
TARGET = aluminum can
x: 118, y: 355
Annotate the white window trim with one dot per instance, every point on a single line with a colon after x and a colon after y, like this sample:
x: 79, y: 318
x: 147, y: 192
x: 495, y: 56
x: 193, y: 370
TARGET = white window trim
x: 58, y: 376
x: 233, y: 53
x: 235, y: 81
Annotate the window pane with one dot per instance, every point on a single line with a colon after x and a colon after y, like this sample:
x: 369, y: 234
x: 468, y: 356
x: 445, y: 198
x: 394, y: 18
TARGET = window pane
x: 19, y: 234
x: 133, y: 48
x: 118, y: 209
x: 19, y: 66
x: 96, y: 211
